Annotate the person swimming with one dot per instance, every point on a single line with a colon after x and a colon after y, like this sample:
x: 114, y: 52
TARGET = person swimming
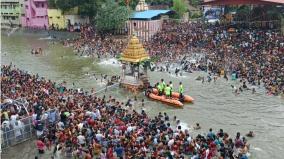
x: 209, y: 78
x: 244, y: 85
x: 225, y: 76
x: 197, y: 126
x: 250, y: 134
x: 253, y: 90
x: 235, y: 89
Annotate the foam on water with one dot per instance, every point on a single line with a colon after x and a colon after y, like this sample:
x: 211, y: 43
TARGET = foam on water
x: 101, y: 83
x: 85, y: 69
x: 257, y: 148
x: 111, y: 61
x: 46, y: 38
x: 184, y: 126
x: 12, y: 31
x: 174, y: 75
x: 85, y: 56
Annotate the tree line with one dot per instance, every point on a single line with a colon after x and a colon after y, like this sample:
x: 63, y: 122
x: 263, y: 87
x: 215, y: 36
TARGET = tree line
x: 109, y: 15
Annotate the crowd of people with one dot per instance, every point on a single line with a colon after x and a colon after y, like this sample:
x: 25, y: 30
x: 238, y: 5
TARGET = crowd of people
x: 96, y: 45
x: 255, y: 56
x: 76, y: 123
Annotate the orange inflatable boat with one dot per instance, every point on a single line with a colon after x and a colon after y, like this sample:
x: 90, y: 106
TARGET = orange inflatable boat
x: 175, y: 95
x: 172, y: 102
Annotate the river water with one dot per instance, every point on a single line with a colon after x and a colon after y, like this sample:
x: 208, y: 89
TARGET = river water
x: 215, y: 105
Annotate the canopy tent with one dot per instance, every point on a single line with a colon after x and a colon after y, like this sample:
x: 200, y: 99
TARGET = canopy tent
x: 241, y: 2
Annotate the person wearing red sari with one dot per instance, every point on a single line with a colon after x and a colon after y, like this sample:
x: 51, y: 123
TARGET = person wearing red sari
x: 110, y: 153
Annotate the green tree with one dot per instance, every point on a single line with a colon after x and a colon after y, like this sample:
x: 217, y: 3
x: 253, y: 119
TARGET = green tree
x: 66, y: 5
x: 52, y: 4
x: 89, y: 7
x: 111, y: 16
x: 85, y: 7
x: 180, y: 7
x: 195, y: 2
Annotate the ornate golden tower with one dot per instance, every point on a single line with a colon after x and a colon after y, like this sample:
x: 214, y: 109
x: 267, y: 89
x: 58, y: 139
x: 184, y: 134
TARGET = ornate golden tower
x: 134, y: 52
x: 133, y: 56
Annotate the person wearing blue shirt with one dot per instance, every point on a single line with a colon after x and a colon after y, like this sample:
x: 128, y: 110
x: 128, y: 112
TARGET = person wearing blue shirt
x: 119, y: 151
x: 211, y: 135
x: 52, y: 116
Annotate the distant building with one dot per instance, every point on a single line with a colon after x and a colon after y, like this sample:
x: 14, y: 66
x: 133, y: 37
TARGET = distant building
x: 11, y: 13
x: 159, y: 7
x: 145, y: 23
x: 142, y: 6
x: 73, y: 20
x: 56, y: 20
x: 35, y: 14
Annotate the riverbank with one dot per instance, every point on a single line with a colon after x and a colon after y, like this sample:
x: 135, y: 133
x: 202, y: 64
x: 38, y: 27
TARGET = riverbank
x: 109, y: 123
x: 47, y: 34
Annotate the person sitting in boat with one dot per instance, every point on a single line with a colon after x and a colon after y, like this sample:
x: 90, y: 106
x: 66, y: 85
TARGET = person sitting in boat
x: 180, y: 91
x: 168, y: 91
x: 149, y: 90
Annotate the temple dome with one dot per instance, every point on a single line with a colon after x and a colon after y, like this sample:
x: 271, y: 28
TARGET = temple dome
x: 134, y: 52
x: 141, y: 6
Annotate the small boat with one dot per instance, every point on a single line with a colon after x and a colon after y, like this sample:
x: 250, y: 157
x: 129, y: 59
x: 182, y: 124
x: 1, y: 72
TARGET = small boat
x: 172, y: 102
x: 175, y: 96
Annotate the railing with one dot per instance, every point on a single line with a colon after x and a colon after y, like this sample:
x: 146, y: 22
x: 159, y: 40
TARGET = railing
x: 12, y: 135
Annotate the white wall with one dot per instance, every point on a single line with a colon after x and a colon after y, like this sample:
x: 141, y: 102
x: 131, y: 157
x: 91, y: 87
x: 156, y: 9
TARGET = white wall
x: 76, y: 19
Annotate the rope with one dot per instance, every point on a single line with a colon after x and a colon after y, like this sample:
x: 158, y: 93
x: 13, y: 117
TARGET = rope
x: 116, y: 84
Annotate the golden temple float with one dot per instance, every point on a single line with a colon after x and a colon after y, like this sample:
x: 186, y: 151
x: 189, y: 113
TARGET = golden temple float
x: 132, y: 78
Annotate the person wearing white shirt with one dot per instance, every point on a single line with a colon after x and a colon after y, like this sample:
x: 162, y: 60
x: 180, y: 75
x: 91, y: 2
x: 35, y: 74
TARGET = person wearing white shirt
x: 34, y: 116
x: 206, y: 153
x: 60, y: 125
x: 116, y: 132
x: 18, y: 130
x: 171, y: 142
x: 14, y: 118
x: 155, y: 142
x: 5, y: 123
x: 80, y: 126
x: 98, y: 113
x: 99, y: 136
x: 129, y: 128
x: 81, y: 139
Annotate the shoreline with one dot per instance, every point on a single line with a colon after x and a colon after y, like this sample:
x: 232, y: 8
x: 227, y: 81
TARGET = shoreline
x: 174, y: 126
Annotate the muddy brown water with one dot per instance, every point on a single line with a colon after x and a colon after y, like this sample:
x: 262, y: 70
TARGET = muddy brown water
x: 215, y: 105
